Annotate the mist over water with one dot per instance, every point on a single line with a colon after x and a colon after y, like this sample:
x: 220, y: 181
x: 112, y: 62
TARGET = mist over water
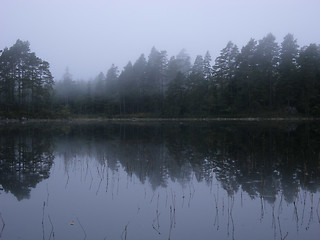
x: 226, y: 180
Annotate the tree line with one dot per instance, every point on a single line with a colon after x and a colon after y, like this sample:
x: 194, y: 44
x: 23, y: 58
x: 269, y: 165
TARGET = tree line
x: 263, y: 78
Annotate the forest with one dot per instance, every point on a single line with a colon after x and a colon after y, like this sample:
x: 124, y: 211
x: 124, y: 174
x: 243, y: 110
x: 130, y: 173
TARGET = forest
x: 263, y: 78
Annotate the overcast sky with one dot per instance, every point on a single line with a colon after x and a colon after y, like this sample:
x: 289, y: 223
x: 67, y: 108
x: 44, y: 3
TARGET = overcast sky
x: 87, y: 36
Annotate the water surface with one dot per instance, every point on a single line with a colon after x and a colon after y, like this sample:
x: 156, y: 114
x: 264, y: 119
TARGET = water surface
x: 188, y: 180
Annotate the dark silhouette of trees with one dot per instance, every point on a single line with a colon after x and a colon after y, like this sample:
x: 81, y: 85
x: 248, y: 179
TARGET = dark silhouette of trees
x: 246, y: 75
x: 263, y: 78
x: 262, y: 159
x: 25, y: 82
x: 309, y: 76
x: 176, y: 104
x: 224, y: 79
x: 287, y: 86
x: 267, y: 60
x: 26, y: 157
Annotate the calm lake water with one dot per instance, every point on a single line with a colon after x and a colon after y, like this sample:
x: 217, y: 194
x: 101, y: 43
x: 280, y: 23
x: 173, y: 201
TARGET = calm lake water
x: 187, y: 180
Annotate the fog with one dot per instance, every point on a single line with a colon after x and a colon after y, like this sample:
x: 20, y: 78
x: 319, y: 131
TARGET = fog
x: 87, y: 36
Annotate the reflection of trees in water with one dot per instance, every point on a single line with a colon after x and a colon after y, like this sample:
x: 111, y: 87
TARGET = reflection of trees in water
x: 25, y: 159
x: 139, y: 150
x: 262, y: 159
x: 272, y: 159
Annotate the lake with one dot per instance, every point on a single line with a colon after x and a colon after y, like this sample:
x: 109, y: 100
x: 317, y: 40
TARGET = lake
x: 160, y: 180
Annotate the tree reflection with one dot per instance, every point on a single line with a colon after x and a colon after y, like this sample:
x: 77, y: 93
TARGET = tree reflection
x: 262, y: 159
x: 26, y: 157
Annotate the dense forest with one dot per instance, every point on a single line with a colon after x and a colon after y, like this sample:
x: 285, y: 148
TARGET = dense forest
x: 264, y: 78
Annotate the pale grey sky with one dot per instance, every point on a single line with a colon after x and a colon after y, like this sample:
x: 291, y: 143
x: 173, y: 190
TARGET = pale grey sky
x: 89, y: 35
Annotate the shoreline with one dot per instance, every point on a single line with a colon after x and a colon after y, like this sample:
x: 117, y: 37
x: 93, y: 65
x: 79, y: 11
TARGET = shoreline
x: 213, y: 119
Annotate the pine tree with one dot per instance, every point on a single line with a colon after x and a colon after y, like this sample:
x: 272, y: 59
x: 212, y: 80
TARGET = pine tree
x: 125, y: 89
x: 139, y: 77
x: 155, y: 84
x: 224, y: 72
x: 309, y: 74
x: 183, y: 62
x: 246, y: 77
x: 287, y: 87
x: 175, y: 102
x: 197, y: 87
x: 267, y: 57
x: 207, y: 68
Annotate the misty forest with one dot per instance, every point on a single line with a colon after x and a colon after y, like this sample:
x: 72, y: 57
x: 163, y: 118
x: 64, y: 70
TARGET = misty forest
x: 263, y: 78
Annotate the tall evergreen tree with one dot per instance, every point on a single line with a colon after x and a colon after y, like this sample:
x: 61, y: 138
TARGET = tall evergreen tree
x: 111, y: 105
x: 267, y: 57
x: 224, y: 72
x: 198, y: 87
x: 66, y: 88
x: 125, y: 89
x: 207, y: 68
x: 198, y: 66
x: 175, y: 102
x: 309, y: 74
x: 99, y: 96
x: 183, y: 62
x: 287, y: 87
x: 172, y: 70
x: 139, y: 77
x: 246, y: 77
x: 154, y: 86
